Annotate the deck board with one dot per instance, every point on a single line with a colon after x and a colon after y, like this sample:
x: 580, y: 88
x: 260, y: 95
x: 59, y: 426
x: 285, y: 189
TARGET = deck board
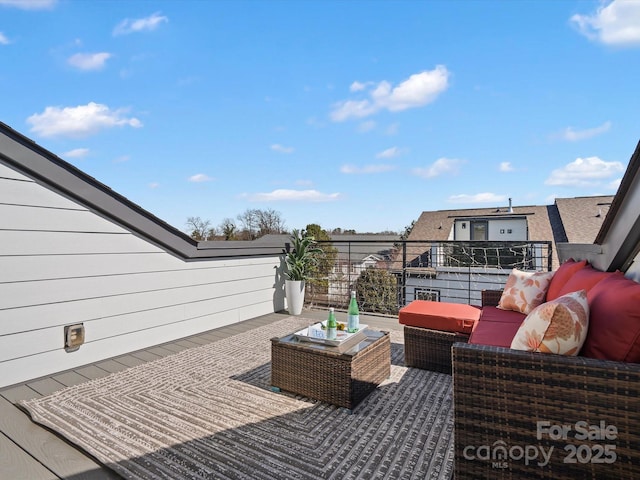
x: 45, y: 447
x: 69, y: 379
x: 32, y: 452
x: 16, y: 464
x: 46, y: 386
x: 129, y: 360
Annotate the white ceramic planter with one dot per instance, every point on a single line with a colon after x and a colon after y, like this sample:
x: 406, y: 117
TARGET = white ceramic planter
x: 294, y: 292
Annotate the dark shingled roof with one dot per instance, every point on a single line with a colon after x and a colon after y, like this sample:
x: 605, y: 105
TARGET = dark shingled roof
x: 569, y: 219
x: 582, y: 217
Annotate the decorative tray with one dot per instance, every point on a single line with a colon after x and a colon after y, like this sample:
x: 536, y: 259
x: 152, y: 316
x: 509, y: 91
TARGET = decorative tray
x: 316, y: 333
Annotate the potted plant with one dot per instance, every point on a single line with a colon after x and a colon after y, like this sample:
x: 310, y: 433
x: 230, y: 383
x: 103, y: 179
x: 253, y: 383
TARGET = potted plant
x: 299, y: 260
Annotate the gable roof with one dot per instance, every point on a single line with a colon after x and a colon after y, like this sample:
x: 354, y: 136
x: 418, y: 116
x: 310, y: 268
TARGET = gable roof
x: 568, y: 219
x: 49, y: 170
x: 583, y: 217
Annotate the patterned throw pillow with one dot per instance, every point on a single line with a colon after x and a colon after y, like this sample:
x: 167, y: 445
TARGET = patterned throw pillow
x: 524, y: 291
x: 559, y: 326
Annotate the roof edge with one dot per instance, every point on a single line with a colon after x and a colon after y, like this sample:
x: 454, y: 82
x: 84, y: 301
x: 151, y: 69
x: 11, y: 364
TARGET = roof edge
x: 618, y: 199
x: 33, y: 160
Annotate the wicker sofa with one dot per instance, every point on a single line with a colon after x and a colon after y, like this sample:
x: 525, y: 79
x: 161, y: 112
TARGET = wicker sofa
x: 521, y: 414
x: 500, y: 395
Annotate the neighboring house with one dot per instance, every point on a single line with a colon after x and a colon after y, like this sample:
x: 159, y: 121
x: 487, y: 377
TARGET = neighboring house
x: 356, y: 253
x: 439, y: 267
x: 74, y: 252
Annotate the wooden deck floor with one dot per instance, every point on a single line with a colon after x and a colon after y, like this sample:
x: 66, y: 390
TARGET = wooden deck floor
x: 31, y: 452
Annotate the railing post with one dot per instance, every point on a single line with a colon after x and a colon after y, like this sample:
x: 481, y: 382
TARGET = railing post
x: 403, y: 284
x: 348, y: 267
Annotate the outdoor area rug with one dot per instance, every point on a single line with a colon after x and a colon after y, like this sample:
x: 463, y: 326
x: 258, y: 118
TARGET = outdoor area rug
x: 209, y: 413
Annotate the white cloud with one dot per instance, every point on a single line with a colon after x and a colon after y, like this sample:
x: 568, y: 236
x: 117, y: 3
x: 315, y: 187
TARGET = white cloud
x: 485, y: 197
x: 148, y: 24
x: 29, y: 4
x: 506, y: 167
x: 379, y: 168
x: 366, y: 126
x: 199, y: 178
x: 292, y: 195
x: 358, y: 86
x: 122, y: 159
x: 3, y: 39
x: 439, y: 167
x: 615, y: 184
x: 616, y: 23
x: 80, y: 121
x: 76, y: 153
x: 584, y: 172
x: 154, y: 185
x: 390, y: 153
x: 392, y: 129
x: 281, y: 149
x: 570, y: 134
x: 89, y: 61
x: 418, y: 90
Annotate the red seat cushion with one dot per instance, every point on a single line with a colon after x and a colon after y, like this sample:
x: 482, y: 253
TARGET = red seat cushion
x: 614, y: 320
x: 494, y: 314
x: 444, y: 316
x: 562, y: 276
x: 496, y: 327
x: 583, y: 279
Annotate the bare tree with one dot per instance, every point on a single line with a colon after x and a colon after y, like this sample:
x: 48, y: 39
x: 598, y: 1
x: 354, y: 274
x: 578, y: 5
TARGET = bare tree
x: 256, y: 223
x: 200, y: 229
x: 269, y: 221
x: 249, y: 221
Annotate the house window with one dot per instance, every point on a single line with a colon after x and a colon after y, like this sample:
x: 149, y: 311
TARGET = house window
x: 427, y: 294
x: 479, y: 230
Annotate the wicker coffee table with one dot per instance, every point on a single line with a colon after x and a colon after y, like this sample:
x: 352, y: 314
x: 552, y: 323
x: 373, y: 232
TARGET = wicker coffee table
x: 323, y: 373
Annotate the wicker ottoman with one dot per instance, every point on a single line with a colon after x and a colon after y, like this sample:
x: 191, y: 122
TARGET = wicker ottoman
x: 431, y: 328
x: 322, y: 373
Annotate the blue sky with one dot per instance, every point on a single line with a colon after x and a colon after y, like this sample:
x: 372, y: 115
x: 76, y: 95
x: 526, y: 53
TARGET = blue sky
x: 352, y: 114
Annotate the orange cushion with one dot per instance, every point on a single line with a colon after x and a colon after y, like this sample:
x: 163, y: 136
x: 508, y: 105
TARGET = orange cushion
x: 444, y: 316
x: 614, y: 320
x: 583, y: 279
x: 562, y: 276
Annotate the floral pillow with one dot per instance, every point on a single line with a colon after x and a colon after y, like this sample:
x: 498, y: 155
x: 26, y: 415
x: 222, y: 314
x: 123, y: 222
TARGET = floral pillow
x: 559, y: 326
x: 524, y: 291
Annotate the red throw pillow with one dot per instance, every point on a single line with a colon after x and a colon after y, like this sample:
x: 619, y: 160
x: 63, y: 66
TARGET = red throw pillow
x: 562, y: 276
x: 583, y: 279
x: 614, y: 320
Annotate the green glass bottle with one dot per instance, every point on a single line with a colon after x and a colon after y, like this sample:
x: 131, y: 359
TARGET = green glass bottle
x: 332, y: 325
x: 353, y: 315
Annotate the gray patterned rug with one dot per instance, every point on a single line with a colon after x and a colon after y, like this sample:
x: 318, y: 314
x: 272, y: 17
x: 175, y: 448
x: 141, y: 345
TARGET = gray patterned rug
x: 208, y: 412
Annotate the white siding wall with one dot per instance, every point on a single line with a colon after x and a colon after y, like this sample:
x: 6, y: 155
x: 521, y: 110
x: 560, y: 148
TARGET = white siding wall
x: 61, y: 264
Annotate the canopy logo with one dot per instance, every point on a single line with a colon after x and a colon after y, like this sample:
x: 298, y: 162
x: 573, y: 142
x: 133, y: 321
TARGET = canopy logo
x: 500, y: 454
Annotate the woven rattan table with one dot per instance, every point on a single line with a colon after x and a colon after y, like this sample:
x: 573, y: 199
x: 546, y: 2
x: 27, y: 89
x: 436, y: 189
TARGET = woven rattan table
x: 323, y: 373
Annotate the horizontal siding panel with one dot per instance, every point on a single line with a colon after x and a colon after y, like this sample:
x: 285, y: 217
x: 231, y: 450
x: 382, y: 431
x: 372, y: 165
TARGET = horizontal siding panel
x: 52, y: 338
x: 59, y: 314
x: 8, y: 172
x: 46, y: 363
x: 54, y: 220
x: 61, y: 243
x: 16, y: 192
x: 30, y: 268
x: 13, y: 295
